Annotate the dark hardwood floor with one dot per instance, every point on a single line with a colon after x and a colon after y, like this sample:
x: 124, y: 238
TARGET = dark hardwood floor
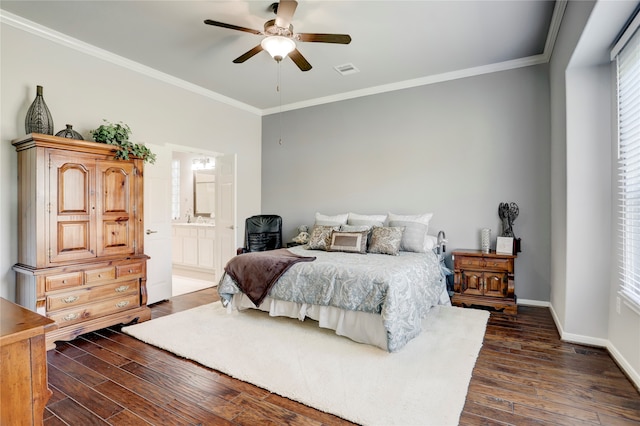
x: 524, y: 375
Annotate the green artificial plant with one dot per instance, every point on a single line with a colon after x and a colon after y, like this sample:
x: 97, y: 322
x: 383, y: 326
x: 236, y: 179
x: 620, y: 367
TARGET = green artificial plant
x: 118, y: 135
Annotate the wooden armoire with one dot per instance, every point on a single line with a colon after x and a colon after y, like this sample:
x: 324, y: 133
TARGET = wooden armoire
x: 81, y: 258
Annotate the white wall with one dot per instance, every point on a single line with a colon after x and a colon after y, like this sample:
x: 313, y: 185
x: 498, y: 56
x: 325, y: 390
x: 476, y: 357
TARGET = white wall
x: 584, y: 279
x: 456, y: 149
x: 81, y: 89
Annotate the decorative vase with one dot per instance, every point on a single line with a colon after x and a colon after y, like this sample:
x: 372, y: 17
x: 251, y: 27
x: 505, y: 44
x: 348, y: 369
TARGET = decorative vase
x: 485, y: 240
x: 69, y: 133
x: 39, y: 118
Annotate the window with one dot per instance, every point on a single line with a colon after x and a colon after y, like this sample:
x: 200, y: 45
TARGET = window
x: 175, y: 189
x: 628, y: 93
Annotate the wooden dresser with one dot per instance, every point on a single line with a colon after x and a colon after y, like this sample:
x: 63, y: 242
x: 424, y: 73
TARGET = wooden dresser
x: 23, y: 365
x: 81, y: 258
x: 484, y: 279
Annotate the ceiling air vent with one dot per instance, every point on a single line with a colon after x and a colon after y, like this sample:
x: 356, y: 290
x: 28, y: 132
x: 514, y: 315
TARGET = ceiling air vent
x: 346, y: 69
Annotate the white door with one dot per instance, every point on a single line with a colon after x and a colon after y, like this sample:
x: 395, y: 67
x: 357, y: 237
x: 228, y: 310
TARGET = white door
x: 157, y: 224
x: 225, y: 210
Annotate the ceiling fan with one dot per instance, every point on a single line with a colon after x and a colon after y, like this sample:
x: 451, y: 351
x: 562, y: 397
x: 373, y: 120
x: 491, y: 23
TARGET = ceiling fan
x: 280, y: 40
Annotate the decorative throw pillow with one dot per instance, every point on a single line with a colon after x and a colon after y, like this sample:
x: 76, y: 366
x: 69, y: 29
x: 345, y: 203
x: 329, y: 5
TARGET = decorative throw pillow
x: 366, y: 219
x: 351, y: 242
x: 336, y: 220
x: 355, y: 228
x: 320, y: 236
x: 386, y: 240
x: 415, y: 235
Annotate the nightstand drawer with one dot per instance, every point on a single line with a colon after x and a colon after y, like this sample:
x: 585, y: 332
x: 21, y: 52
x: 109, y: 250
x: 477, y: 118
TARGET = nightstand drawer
x: 465, y: 262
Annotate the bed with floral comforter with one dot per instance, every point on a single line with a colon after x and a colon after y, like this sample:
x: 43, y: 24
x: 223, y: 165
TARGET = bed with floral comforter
x: 399, y: 290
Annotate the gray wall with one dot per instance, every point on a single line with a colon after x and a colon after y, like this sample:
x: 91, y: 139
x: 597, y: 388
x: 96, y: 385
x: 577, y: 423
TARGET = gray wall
x: 456, y: 149
x: 82, y: 89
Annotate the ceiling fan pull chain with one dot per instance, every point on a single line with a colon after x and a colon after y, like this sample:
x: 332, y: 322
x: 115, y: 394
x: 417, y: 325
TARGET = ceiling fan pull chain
x: 279, y: 103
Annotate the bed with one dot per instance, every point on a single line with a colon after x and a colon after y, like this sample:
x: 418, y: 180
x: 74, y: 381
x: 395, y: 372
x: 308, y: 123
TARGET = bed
x: 373, y: 298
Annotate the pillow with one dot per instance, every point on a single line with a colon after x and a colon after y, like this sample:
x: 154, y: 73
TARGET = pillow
x: 431, y: 242
x: 351, y: 242
x: 364, y: 219
x: 415, y: 234
x: 386, y: 240
x: 355, y: 228
x: 414, y: 237
x: 320, y: 236
x: 337, y: 220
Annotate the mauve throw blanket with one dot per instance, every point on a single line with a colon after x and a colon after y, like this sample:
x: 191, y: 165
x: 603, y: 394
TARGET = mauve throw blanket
x: 256, y: 272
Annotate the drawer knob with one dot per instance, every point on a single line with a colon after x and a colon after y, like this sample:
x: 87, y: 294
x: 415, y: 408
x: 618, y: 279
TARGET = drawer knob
x: 122, y: 304
x: 130, y: 270
x: 99, y: 275
x: 71, y: 317
x: 64, y: 281
x: 122, y: 288
x: 70, y: 299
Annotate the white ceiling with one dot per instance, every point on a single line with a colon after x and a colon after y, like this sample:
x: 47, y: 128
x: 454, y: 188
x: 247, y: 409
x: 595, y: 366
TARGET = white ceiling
x: 395, y: 44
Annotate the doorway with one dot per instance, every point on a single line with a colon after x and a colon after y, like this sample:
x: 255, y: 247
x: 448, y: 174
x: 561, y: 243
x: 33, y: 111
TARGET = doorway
x: 193, y: 177
x: 190, y: 219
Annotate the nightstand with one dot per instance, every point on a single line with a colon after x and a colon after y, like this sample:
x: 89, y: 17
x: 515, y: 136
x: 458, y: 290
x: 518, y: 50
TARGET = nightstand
x: 484, y: 279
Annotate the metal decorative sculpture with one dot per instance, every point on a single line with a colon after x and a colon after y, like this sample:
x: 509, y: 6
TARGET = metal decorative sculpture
x: 508, y: 213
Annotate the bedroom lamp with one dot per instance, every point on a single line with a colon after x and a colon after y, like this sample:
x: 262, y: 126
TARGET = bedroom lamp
x: 278, y: 46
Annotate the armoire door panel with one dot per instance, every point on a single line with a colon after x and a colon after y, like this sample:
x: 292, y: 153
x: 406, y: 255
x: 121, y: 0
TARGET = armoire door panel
x: 74, y: 237
x: 71, y: 208
x: 116, y: 234
x: 116, y: 203
x: 74, y: 181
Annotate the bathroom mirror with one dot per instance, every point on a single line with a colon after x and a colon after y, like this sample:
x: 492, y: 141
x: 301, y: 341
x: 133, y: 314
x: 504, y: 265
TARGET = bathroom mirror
x: 204, y: 197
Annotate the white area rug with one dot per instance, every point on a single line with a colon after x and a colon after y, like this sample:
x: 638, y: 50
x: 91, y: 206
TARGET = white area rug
x: 425, y: 383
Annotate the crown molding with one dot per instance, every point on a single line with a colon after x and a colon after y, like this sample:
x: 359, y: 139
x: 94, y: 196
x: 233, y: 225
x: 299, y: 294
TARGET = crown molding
x: 552, y: 35
x: 62, y: 39
x: 407, y: 84
x: 86, y: 48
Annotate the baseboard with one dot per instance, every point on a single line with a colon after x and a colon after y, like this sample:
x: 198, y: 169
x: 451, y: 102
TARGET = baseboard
x: 529, y: 302
x: 198, y: 274
x: 627, y: 369
x: 630, y: 372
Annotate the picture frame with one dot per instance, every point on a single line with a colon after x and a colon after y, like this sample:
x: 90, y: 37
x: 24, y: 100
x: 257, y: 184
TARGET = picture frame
x: 504, y: 245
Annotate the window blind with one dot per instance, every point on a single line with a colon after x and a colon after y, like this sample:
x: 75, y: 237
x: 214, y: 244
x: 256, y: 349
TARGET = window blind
x: 628, y: 92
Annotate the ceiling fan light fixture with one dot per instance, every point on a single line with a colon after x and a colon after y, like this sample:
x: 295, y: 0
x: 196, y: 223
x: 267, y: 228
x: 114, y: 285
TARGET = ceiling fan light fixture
x: 278, y: 46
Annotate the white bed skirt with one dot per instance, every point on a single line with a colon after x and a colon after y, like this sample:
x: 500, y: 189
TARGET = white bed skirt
x: 361, y: 327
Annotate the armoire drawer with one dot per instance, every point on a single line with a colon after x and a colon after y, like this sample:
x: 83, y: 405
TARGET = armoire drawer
x: 130, y: 269
x: 94, y: 310
x: 75, y: 298
x: 98, y: 275
x: 62, y: 281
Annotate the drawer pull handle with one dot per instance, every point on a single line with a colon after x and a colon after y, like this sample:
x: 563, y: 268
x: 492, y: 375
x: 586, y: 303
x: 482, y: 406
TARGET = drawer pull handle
x: 71, y: 317
x: 70, y: 299
x: 122, y: 304
x: 122, y: 288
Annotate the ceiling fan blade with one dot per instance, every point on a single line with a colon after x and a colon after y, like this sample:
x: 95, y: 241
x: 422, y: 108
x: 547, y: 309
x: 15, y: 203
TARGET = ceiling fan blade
x: 299, y: 60
x: 240, y: 59
x: 325, y: 38
x: 230, y: 26
x: 286, y: 9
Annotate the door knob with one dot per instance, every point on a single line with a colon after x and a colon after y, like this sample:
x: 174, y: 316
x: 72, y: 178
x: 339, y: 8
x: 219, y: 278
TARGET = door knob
x: 149, y: 231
